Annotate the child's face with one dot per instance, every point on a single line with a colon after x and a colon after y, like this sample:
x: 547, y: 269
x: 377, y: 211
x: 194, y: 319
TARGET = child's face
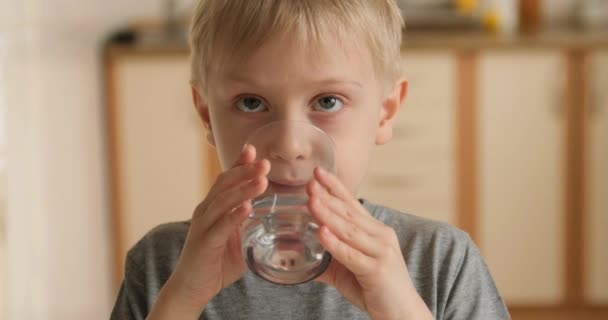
x: 334, y: 88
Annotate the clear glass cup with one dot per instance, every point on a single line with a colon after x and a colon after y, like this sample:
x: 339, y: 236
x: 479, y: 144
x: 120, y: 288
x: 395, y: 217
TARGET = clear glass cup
x: 279, y: 242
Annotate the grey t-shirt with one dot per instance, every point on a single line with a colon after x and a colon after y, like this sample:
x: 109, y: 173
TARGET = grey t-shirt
x: 444, y: 264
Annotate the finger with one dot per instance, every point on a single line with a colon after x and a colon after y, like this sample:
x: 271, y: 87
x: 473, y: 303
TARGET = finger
x: 231, y: 199
x: 227, y: 178
x: 237, y: 175
x: 351, y: 208
x: 220, y: 233
x: 345, y: 228
x: 247, y: 155
x: 333, y: 185
x: 352, y: 212
x: 354, y: 260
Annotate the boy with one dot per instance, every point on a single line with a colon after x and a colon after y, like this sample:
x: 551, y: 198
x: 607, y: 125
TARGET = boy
x: 334, y: 64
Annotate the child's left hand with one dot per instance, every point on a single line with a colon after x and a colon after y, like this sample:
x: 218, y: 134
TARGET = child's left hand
x: 368, y: 267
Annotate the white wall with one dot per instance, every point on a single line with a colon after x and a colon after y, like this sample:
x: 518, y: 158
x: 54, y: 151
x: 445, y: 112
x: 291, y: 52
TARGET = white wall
x: 2, y: 195
x: 57, y: 217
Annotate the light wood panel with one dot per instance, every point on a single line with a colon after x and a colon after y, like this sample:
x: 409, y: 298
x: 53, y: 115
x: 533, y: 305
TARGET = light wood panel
x: 522, y: 173
x: 415, y: 172
x: 559, y: 313
x: 160, y: 171
x: 467, y: 81
x: 575, y: 138
x: 597, y: 179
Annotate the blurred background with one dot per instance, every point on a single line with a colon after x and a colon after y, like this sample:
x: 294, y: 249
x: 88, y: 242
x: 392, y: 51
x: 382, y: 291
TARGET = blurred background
x: 504, y: 134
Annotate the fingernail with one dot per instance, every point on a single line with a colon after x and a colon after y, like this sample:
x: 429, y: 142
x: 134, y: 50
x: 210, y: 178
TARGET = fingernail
x: 325, y: 231
x: 321, y: 170
x: 245, y: 147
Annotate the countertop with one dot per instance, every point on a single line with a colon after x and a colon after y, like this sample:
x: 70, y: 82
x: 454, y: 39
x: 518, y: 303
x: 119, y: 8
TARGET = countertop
x: 458, y: 41
x: 567, y: 39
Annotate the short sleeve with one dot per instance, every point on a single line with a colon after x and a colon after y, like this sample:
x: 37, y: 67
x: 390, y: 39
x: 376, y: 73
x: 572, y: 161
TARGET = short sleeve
x: 131, y: 300
x: 148, y: 266
x: 473, y: 295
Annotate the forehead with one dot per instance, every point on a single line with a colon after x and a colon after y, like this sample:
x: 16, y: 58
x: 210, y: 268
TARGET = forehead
x: 283, y: 59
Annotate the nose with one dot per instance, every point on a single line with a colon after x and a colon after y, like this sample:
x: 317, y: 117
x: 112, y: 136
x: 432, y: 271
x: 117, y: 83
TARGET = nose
x: 290, y: 146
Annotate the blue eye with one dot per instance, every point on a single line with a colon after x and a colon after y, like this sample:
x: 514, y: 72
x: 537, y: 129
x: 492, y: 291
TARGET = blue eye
x: 250, y: 104
x: 329, y: 104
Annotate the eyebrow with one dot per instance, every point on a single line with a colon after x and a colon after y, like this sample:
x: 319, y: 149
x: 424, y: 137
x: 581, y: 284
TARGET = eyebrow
x: 338, y: 81
x: 329, y: 81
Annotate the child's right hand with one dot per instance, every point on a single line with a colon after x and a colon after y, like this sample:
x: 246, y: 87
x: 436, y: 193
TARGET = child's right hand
x: 211, y: 258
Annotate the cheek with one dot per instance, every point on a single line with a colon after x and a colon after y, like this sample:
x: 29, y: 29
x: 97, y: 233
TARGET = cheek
x: 352, y: 159
x: 354, y: 139
x: 229, y: 140
x: 228, y: 148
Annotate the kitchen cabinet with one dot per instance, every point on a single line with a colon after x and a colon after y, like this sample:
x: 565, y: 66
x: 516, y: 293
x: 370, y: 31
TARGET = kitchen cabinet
x: 415, y: 171
x: 521, y: 172
x: 488, y: 140
x: 159, y: 152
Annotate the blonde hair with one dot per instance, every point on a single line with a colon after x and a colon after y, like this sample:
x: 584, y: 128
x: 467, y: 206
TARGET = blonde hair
x: 226, y: 30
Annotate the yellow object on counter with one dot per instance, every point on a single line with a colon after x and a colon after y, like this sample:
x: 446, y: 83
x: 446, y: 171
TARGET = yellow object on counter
x: 492, y: 20
x: 466, y: 6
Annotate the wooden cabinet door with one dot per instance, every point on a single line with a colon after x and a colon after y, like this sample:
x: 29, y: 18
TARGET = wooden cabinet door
x: 415, y: 171
x: 159, y: 152
x: 522, y: 168
x: 597, y: 179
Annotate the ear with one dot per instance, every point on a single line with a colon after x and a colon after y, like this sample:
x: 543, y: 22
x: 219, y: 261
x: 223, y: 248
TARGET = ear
x: 202, y: 108
x: 389, y: 111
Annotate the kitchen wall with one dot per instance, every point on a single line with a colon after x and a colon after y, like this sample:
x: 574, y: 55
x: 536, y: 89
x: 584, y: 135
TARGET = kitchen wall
x: 57, y: 217
x: 2, y: 198
x: 559, y: 11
